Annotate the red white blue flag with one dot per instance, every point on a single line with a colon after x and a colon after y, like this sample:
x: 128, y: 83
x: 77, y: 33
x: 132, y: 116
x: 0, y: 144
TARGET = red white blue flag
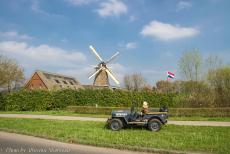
x: 170, y: 75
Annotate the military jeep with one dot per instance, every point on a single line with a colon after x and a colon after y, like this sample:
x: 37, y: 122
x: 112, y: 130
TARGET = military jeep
x: 153, y: 120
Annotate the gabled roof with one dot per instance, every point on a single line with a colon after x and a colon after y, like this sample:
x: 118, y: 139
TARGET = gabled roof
x: 58, y: 81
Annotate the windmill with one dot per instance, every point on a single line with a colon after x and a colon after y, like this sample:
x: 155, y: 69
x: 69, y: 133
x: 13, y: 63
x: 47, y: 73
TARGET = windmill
x: 102, y: 72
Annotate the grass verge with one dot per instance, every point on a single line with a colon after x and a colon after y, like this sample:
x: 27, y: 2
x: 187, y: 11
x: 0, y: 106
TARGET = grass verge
x: 171, y: 137
x: 56, y: 113
x: 68, y: 113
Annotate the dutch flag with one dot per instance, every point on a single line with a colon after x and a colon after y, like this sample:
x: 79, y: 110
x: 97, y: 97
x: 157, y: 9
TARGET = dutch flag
x: 170, y: 75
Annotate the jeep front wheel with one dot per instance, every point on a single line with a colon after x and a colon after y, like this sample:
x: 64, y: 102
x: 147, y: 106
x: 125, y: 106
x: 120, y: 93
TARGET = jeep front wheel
x: 116, y: 124
x: 154, y: 125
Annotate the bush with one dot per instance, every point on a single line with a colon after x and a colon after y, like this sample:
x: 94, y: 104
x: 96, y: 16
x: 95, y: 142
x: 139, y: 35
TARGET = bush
x: 38, y: 100
x: 203, y: 112
x: 41, y: 100
x: 93, y: 109
x: 219, y: 80
x: 2, y: 102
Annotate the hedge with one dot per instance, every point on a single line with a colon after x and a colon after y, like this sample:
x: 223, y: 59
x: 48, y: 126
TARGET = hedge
x: 2, y: 102
x: 39, y: 100
x: 203, y: 112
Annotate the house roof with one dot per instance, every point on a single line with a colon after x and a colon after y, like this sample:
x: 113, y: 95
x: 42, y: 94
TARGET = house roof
x: 59, y: 81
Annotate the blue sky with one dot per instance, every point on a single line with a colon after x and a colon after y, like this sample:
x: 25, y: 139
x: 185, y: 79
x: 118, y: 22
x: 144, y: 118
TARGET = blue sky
x: 150, y: 35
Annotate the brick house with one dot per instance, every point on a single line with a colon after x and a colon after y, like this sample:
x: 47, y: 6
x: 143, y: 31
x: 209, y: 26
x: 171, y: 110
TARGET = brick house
x: 46, y: 80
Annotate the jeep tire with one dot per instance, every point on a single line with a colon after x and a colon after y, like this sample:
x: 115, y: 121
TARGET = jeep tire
x: 115, y: 124
x: 154, y: 125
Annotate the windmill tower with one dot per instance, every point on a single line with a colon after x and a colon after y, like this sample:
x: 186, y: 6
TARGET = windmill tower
x: 102, y: 72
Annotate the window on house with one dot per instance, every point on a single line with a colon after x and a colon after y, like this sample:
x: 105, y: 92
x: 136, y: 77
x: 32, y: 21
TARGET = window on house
x: 65, y: 82
x: 57, y: 81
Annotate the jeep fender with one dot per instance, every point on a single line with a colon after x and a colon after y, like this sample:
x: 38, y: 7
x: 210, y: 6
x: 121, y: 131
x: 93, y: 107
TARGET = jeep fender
x: 156, y: 117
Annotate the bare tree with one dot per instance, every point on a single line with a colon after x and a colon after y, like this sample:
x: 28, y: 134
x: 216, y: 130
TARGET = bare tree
x: 128, y: 82
x: 11, y: 74
x: 138, y: 81
x: 190, y: 65
x: 212, y: 62
x: 134, y: 81
x: 164, y: 86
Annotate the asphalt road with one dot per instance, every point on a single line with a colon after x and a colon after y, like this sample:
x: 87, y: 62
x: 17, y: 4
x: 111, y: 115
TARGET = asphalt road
x: 189, y: 123
x: 11, y: 143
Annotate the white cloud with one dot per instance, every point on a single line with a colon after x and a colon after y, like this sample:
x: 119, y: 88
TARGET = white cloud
x: 112, y: 8
x: 42, y: 55
x: 131, y: 45
x: 14, y: 35
x: 80, y: 73
x: 167, y: 32
x: 183, y: 5
x: 80, y: 2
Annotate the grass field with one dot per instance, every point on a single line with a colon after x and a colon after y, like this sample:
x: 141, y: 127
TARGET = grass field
x: 68, y: 113
x: 171, y: 137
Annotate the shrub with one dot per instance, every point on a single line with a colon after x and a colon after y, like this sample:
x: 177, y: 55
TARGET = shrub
x: 2, y: 102
x: 203, y: 112
x: 219, y: 80
x: 37, y: 100
x: 40, y: 100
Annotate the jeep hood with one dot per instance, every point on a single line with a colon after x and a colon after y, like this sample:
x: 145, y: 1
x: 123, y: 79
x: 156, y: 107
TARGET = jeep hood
x: 120, y: 113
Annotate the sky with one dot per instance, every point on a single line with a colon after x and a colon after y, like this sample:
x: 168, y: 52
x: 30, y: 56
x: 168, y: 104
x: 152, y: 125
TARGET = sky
x: 150, y: 35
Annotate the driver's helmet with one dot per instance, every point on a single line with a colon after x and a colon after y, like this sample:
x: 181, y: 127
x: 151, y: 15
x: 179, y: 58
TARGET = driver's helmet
x: 145, y: 104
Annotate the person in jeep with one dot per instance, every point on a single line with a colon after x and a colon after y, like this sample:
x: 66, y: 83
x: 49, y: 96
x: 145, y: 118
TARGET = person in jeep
x: 145, y: 108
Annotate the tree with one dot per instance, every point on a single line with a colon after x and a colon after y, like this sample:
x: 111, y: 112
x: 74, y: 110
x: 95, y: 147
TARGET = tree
x: 212, y: 63
x: 11, y: 74
x: 138, y: 81
x: 134, y: 81
x: 219, y: 79
x: 148, y: 88
x: 128, y: 82
x: 164, y: 86
x: 190, y: 65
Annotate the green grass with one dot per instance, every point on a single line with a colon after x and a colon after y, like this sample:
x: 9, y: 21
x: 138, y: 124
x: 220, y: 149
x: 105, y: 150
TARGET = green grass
x: 55, y: 113
x: 68, y: 113
x: 171, y: 137
x: 224, y: 119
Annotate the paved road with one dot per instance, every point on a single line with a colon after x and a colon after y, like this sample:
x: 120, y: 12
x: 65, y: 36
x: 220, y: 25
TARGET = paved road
x: 190, y: 123
x: 21, y: 144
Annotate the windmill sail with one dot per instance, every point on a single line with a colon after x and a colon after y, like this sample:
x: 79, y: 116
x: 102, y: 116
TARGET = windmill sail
x: 95, y: 52
x: 103, y: 72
